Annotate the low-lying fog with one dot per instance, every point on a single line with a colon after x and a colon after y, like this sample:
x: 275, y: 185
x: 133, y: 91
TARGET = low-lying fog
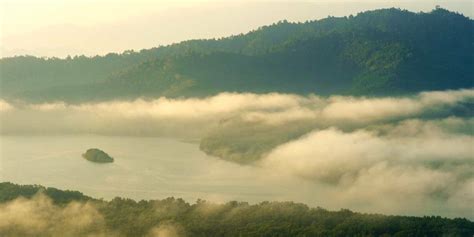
x: 400, y: 155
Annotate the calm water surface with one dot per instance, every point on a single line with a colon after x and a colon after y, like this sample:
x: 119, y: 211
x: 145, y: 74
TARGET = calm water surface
x: 144, y: 168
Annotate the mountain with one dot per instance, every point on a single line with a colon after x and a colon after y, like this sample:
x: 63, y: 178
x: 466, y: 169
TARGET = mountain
x: 381, y: 52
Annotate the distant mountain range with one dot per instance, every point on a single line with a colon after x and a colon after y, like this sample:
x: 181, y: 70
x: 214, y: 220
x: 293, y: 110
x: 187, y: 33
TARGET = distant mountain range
x: 381, y: 52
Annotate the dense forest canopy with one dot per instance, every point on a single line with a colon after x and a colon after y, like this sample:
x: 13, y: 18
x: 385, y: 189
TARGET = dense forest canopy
x: 175, y: 217
x: 388, y: 51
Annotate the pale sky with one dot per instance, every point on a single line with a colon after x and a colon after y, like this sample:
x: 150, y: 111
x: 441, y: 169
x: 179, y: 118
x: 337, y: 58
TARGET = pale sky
x: 90, y: 27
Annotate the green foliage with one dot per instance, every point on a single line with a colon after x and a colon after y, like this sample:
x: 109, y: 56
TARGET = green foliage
x: 386, y: 51
x: 98, y: 156
x: 126, y: 217
x: 10, y: 191
x: 247, y: 142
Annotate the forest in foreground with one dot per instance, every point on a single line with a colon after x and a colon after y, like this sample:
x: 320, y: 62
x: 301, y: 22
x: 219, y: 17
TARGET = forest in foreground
x: 34, y: 210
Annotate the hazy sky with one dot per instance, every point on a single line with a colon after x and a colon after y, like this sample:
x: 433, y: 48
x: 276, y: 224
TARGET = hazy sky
x: 90, y: 27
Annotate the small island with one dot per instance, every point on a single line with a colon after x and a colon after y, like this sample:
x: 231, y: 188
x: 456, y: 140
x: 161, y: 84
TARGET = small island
x: 97, y: 155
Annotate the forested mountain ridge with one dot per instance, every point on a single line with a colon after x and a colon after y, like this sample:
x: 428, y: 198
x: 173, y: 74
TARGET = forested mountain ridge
x: 54, y: 212
x: 388, y: 51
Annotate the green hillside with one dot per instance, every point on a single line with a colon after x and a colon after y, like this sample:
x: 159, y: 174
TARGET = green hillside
x: 381, y: 52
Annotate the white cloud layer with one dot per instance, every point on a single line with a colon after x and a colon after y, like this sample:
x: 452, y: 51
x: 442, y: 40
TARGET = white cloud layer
x: 400, y: 155
x: 195, y: 116
x: 40, y: 217
x: 427, y: 171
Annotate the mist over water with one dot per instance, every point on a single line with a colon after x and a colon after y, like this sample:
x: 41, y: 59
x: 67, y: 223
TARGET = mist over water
x: 408, y: 155
x: 144, y: 168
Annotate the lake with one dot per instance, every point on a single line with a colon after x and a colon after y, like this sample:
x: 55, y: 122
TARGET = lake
x: 144, y: 168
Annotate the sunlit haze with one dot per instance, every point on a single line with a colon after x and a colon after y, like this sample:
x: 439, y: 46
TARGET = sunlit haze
x: 191, y: 118
x: 73, y: 27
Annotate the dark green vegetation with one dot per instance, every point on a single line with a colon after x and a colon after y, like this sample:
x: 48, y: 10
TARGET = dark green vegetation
x: 246, y: 143
x: 126, y: 217
x: 387, y: 51
x: 9, y: 192
x: 98, y: 156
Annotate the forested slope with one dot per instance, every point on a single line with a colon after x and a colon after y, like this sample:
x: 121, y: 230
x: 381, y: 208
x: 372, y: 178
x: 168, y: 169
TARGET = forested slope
x: 381, y: 52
